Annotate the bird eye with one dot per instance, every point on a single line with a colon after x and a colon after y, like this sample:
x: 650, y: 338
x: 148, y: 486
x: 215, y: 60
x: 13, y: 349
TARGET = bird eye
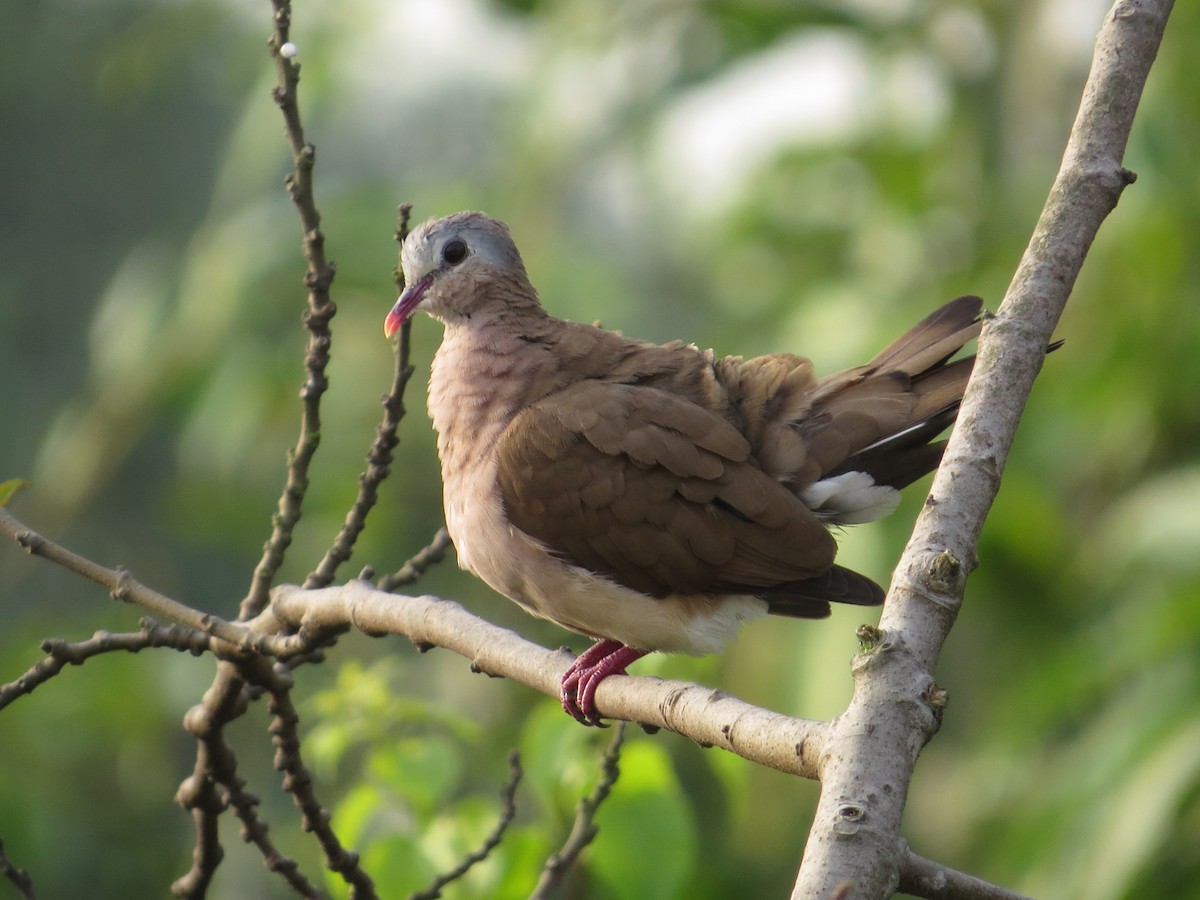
x: 454, y: 252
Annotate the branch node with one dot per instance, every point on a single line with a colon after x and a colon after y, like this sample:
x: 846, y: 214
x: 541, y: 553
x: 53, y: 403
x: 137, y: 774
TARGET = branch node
x: 946, y: 574
x: 849, y: 818
x: 121, y: 588
x: 30, y: 541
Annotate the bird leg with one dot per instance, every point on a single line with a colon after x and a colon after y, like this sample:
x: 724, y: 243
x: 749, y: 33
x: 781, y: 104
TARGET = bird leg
x: 593, y: 665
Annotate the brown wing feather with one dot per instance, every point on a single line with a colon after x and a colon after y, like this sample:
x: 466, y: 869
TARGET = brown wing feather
x: 879, y: 418
x: 655, y: 492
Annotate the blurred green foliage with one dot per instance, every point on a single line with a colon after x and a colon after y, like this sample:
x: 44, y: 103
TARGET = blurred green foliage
x: 664, y: 174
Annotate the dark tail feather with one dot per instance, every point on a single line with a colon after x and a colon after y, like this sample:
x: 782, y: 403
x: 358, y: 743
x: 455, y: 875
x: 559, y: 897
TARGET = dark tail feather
x: 810, y: 598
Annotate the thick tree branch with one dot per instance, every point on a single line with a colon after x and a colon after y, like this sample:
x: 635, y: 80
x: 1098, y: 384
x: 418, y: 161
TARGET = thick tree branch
x: 709, y: 717
x: 853, y: 849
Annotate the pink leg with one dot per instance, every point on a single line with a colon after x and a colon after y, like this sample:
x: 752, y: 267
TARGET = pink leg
x: 592, y: 666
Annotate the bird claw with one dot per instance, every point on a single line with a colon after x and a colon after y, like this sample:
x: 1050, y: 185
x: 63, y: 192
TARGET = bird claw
x: 579, y: 682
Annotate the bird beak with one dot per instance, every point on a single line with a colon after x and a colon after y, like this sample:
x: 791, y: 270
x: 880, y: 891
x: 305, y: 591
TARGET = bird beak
x: 405, y: 306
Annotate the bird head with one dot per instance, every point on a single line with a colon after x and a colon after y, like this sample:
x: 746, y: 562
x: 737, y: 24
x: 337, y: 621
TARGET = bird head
x: 448, y: 265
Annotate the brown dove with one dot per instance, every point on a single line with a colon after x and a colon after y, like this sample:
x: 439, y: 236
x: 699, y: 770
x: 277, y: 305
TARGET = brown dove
x: 656, y: 497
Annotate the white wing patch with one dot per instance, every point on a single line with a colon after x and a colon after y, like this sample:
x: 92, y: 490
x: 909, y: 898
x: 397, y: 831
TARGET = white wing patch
x: 850, y: 499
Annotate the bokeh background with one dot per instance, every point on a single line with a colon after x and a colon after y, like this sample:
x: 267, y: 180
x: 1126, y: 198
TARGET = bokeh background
x: 753, y: 176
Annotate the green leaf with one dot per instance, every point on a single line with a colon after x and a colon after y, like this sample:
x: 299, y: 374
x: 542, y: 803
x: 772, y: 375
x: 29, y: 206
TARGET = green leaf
x: 422, y: 770
x: 8, y: 489
x: 647, y: 842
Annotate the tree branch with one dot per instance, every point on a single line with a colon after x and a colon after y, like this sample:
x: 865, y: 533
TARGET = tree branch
x: 123, y: 586
x: 584, y: 829
x: 852, y: 848
x: 508, y: 810
x: 709, y: 717
x: 321, y: 309
x: 412, y: 570
x: 922, y: 877
x: 379, y: 457
x: 60, y: 653
x: 19, y: 878
x: 297, y: 781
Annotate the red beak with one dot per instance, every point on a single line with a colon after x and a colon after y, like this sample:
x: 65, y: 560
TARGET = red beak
x: 405, y: 306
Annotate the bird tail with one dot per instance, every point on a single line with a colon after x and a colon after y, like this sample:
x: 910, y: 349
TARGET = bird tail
x: 810, y: 598
x: 880, y: 419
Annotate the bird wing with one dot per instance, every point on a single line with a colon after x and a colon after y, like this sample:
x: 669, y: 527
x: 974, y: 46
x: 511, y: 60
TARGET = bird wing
x: 661, y: 495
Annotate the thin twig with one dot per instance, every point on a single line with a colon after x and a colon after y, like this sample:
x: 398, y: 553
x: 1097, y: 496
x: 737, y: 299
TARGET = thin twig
x: 60, y: 653
x: 256, y: 831
x: 923, y: 877
x: 412, y: 570
x: 584, y: 829
x: 508, y: 809
x: 215, y: 785
x: 19, y: 877
x: 298, y: 782
x: 321, y: 308
x: 225, y: 700
x: 123, y: 586
x: 379, y: 457
x: 201, y: 793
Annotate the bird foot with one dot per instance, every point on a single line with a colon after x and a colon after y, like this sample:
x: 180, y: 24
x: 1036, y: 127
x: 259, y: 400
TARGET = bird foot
x: 592, y: 666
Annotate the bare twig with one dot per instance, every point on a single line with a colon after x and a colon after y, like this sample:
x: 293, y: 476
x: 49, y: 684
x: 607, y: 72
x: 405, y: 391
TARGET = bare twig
x: 508, y: 809
x: 584, y: 829
x: 412, y: 570
x: 18, y: 877
x: 321, y: 308
x: 297, y: 781
x: 201, y: 793
x: 225, y: 699
x: 709, y: 717
x: 256, y: 831
x: 922, y: 877
x: 123, y: 586
x: 60, y: 653
x: 379, y: 457
x: 215, y: 784
x: 865, y: 782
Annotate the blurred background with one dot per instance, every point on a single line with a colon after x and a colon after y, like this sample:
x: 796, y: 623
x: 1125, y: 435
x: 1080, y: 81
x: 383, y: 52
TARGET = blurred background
x: 753, y: 176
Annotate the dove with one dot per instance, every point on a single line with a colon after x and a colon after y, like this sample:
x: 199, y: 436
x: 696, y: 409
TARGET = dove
x: 657, y: 497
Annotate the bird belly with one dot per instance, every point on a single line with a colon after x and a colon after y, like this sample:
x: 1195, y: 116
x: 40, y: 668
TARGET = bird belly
x: 524, y: 570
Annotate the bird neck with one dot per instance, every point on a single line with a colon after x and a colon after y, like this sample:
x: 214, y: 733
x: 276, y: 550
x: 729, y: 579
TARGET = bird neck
x: 486, y: 369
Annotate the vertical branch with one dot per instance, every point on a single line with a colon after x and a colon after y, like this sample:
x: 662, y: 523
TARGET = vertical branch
x: 584, y: 829
x: 297, y: 781
x: 216, y: 766
x: 508, y: 811
x: 317, y: 278
x: 19, y: 878
x: 854, y: 849
x: 379, y: 457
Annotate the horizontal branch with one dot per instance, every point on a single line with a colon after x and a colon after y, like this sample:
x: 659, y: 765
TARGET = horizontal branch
x: 123, y: 586
x: 60, y: 653
x: 709, y: 717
